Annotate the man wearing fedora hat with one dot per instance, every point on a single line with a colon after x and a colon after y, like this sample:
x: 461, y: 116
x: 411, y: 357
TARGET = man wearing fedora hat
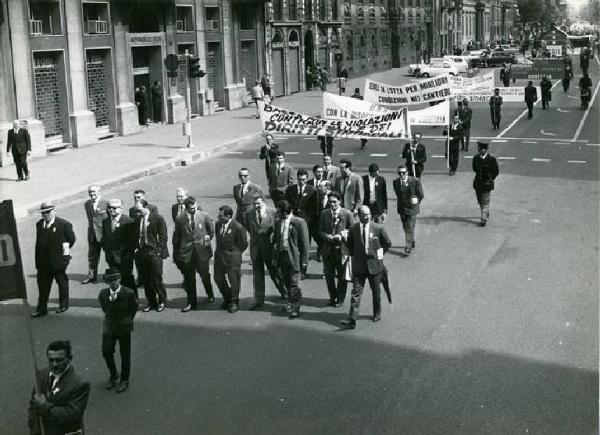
x: 486, y: 170
x: 120, y: 307
x: 95, y: 211
x: 54, y: 239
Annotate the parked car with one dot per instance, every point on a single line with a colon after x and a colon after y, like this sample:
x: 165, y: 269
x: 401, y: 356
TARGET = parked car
x: 460, y: 62
x: 415, y: 68
x: 495, y: 58
x: 438, y: 67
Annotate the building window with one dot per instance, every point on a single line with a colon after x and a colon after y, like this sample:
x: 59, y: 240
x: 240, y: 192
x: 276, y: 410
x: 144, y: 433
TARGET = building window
x: 349, y: 45
x: 212, y: 18
x: 293, y: 10
x: 347, y: 11
x: 385, y: 40
x: 44, y: 18
x: 335, y: 13
x: 293, y: 38
x: 95, y: 18
x: 372, y: 15
x: 277, y: 40
x: 374, y: 45
x: 277, y: 10
x: 323, y: 10
x: 308, y: 10
x: 185, y: 18
x: 247, y: 18
x: 362, y: 50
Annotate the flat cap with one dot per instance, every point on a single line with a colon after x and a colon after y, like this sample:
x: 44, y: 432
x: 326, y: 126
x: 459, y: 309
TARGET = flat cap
x: 111, y: 275
x: 482, y: 145
x: 115, y: 203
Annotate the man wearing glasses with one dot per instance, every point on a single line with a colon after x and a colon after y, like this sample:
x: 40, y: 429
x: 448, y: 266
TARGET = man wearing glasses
x: 244, y: 193
x: 409, y: 195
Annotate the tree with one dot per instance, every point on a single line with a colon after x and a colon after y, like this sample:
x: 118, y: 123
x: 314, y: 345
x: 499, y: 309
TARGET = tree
x: 540, y: 14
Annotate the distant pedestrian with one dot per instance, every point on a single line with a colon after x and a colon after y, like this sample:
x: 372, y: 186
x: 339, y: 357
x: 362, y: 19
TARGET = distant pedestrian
x: 495, y: 108
x: 356, y: 95
x: 258, y: 94
x: 330, y: 172
x: 546, y: 86
x: 268, y: 153
x: 157, y: 101
x: 585, y: 87
x: 324, y: 78
x: 367, y: 243
x: 409, y: 195
x: 465, y: 113
x: 415, y: 156
x: 567, y: 76
x: 119, y: 305
x: 486, y: 170
x: 53, y: 243
x: 265, y: 83
x: 453, y: 153
x: 530, y: 98
x: 505, y: 76
x: 95, y: 211
x: 584, y: 60
x: 61, y: 397
x: 309, y: 78
x: 19, y: 143
x: 350, y: 187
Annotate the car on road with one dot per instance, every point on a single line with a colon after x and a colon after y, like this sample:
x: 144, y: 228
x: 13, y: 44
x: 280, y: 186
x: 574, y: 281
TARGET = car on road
x: 459, y: 62
x: 438, y: 67
x: 461, y: 65
x: 415, y: 68
x: 495, y: 58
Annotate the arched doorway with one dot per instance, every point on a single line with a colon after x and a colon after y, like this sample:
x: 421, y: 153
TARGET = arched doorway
x: 309, y: 49
x: 294, y: 56
x: 277, y: 64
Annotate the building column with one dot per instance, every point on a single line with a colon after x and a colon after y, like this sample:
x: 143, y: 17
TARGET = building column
x: 203, y: 106
x: 82, y: 120
x: 127, y: 112
x: 235, y: 93
x: 176, y: 103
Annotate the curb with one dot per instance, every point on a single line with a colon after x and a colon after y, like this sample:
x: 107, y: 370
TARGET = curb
x: 186, y: 158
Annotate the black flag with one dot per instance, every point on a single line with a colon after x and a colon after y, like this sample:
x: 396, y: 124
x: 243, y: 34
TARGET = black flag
x: 12, y: 281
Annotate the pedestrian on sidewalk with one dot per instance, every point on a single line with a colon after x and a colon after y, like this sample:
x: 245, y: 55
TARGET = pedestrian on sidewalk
x: 53, y: 243
x: 356, y: 95
x: 409, y: 194
x: 157, y: 101
x: 19, y: 143
x: 454, y: 135
x: 141, y: 101
x: 324, y: 77
x: 486, y: 170
x: 258, y: 94
x: 268, y: 153
x: 546, y: 86
x: 530, y: 98
x: 95, y: 211
x: 119, y: 305
x: 309, y: 78
x: 495, y: 108
x: 265, y: 83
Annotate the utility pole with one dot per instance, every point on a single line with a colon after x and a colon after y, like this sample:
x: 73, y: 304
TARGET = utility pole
x: 188, y: 101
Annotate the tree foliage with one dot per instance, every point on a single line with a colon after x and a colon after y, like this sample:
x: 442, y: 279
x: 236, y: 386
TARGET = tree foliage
x: 539, y: 13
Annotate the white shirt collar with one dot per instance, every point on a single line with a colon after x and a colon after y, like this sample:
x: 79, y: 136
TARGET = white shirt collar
x: 49, y: 224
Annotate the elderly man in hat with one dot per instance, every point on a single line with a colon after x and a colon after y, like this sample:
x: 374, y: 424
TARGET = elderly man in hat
x: 95, y: 211
x: 120, y: 306
x: 54, y: 239
x: 486, y: 170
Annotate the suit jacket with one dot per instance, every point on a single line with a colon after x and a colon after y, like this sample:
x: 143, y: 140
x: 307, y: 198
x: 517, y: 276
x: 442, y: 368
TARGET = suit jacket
x: 530, y: 94
x: 66, y: 404
x: 327, y: 227
x: 420, y: 154
x: 118, y: 244
x: 465, y: 114
x: 188, y: 239
x: 304, y: 206
x: 404, y: 195
x: 230, y: 245
x: 19, y: 142
x: 287, y: 177
x: 456, y: 133
x: 175, y: 211
x: 118, y: 314
x: 370, y: 262
x: 381, y: 200
x: 312, y: 181
x: 298, y: 246
x: 353, y: 193
x: 156, y: 232
x: 60, y: 232
x: 486, y: 170
x: 245, y: 202
x: 269, y: 155
x: 260, y: 234
x: 331, y: 173
x: 95, y: 218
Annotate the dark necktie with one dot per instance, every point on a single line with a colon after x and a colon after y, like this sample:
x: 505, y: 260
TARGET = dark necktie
x: 259, y: 217
x: 364, y: 237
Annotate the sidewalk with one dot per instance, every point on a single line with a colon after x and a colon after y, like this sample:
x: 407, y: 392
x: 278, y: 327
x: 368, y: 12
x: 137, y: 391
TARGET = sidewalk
x: 65, y: 175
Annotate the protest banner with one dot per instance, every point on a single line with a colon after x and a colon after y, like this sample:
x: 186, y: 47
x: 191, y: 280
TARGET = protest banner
x: 12, y: 281
x: 423, y: 91
x: 434, y: 115
x: 472, y: 88
x: 390, y: 125
x: 516, y: 94
x: 554, y: 69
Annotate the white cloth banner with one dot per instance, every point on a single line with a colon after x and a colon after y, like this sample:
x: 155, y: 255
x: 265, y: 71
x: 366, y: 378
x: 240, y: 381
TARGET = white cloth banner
x: 390, y: 125
x: 473, y: 88
x: 516, y: 94
x: 336, y: 107
x: 419, y: 92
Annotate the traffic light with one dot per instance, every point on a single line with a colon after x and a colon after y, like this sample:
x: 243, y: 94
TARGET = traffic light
x: 194, y: 67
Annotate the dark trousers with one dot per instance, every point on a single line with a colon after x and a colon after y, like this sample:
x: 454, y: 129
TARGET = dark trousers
x: 259, y: 262
x: 453, y: 157
x: 44, y: 280
x: 290, y: 279
x: 529, y: 109
x: 483, y: 199
x: 157, y: 109
x: 408, y: 224
x: 228, y: 280
x: 326, y: 145
x: 495, y: 115
x: 465, y: 139
x: 418, y: 169
x: 94, y: 250
x: 150, y: 268
x: 21, y: 165
x: 545, y: 102
x: 109, y: 342
x: 358, y: 285
x: 566, y: 84
x: 334, y: 268
x: 189, y: 277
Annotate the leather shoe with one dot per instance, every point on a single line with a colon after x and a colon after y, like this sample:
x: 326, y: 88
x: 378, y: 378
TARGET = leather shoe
x: 482, y: 223
x: 123, y: 385
x: 26, y: 178
x: 37, y: 314
x: 224, y: 305
x: 160, y: 307
x: 347, y: 324
x: 232, y: 308
x: 89, y: 279
x: 187, y: 308
x: 294, y: 315
x: 211, y: 299
x: 413, y: 244
x: 256, y: 305
x: 147, y: 308
x: 339, y: 303
x: 331, y: 304
x: 287, y: 308
x: 112, y: 382
x: 61, y: 309
x: 376, y: 318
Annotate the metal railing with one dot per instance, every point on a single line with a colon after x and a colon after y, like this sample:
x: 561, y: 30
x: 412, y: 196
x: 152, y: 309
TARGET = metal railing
x: 212, y: 24
x: 97, y: 26
x: 37, y: 27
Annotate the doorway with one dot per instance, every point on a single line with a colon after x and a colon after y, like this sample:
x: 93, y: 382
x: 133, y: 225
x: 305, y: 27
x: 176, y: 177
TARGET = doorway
x: 309, y: 49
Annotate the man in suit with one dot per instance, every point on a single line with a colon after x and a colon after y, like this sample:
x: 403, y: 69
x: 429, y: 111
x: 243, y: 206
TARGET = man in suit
x: 367, y: 243
x: 61, y: 397
x: 119, y: 243
x: 333, y: 229
x: 415, y: 156
x: 291, y: 249
x: 465, y: 114
x: 330, y: 172
x: 192, y: 249
x: 260, y: 222
x: 350, y: 187
x: 530, y: 98
x: 375, y: 189
x: 244, y: 193
x: 486, y: 170
x: 281, y: 177
x: 323, y: 190
x: 95, y: 211
x: 19, y: 143
x: 119, y: 305
x: 268, y: 153
x: 303, y: 199
x: 231, y: 243
x: 454, y: 136
x: 139, y: 195
x: 409, y: 195
x: 495, y: 108
x: 317, y: 175
x: 178, y: 208
x: 151, y: 236
x: 53, y: 242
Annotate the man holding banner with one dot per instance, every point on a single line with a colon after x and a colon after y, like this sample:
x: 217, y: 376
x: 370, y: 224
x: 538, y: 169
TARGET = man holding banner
x: 415, y: 156
x: 495, y: 107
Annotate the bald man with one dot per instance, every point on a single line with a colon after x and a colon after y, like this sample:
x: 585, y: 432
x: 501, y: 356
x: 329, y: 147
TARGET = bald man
x: 95, y: 211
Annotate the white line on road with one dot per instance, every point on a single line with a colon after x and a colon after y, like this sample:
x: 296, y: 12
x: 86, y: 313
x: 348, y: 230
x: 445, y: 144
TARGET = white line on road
x: 562, y: 143
x: 529, y: 141
x: 511, y: 139
x: 535, y: 159
x: 378, y: 155
x: 593, y: 144
x: 308, y: 138
x: 440, y: 140
x: 292, y: 153
x: 587, y: 112
x: 438, y: 156
x: 467, y: 157
x: 316, y: 154
x: 576, y: 161
x: 499, y: 140
x: 507, y: 158
x: 547, y: 133
x: 345, y: 154
x: 235, y: 152
x: 563, y: 111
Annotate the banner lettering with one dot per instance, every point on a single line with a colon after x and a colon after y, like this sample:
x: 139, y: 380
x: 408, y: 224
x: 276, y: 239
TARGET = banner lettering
x: 423, y: 91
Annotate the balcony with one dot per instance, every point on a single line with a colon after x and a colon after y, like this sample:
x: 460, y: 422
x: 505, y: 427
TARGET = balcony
x: 95, y: 27
x: 37, y: 27
x: 44, y: 18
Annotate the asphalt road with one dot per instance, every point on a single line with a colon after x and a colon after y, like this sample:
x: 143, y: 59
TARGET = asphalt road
x: 493, y: 330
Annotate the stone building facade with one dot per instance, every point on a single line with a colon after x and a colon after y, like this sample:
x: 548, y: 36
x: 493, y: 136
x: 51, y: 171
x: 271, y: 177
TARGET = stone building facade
x: 70, y: 68
x: 413, y: 30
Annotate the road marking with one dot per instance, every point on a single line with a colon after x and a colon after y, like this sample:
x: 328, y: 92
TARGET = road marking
x: 535, y: 159
x: 587, y: 111
x: 292, y: 153
x: 308, y: 138
x: 561, y: 143
x: 507, y: 158
x: 467, y: 157
x: 575, y: 98
x: 378, y: 155
x: 563, y: 111
x: 345, y: 154
x: 316, y: 154
x: 529, y: 141
x: 576, y: 161
x: 440, y: 140
x: 235, y: 152
x: 593, y: 144
x: 499, y: 140
x: 547, y: 133
x: 438, y: 156
x: 511, y: 139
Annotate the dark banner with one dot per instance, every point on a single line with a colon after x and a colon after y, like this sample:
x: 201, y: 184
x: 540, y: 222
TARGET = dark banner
x: 554, y: 69
x: 12, y: 282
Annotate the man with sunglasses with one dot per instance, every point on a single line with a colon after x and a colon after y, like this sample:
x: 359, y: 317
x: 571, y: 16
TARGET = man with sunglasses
x: 409, y: 194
